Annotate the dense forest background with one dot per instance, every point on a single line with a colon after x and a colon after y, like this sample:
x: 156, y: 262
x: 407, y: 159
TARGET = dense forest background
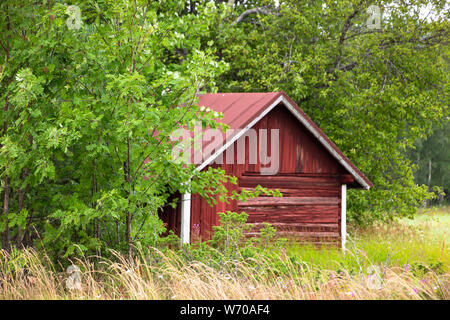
x: 91, y: 90
x: 432, y: 158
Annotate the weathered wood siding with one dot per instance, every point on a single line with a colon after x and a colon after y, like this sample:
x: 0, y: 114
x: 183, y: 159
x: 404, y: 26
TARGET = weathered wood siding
x: 309, y: 178
x: 172, y: 216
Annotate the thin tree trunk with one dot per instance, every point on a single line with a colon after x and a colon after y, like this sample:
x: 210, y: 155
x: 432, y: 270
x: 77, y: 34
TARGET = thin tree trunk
x: 127, y: 178
x: 118, y: 232
x: 128, y: 235
x: 94, y: 190
x: 26, y: 239
x: 429, y: 174
x: 429, y: 180
x: 5, y: 238
x: 7, y: 190
x: 19, y: 209
x: 21, y: 205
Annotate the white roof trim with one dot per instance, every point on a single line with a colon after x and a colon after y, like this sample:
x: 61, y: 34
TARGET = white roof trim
x: 311, y: 129
x: 240, y: 134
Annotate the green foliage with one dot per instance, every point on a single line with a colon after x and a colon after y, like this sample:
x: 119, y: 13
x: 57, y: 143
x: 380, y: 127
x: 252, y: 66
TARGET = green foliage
x: 87, y: 114
x: 231, y: 240
x: 374, y: 92
x: 390, y: 256
x: 87, y: 109
x: 431, y: 156
x: 230, y: 235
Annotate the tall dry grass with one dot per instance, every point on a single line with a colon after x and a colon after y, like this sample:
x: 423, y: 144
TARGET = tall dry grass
x: 403, y: 260
x: 27, y: 274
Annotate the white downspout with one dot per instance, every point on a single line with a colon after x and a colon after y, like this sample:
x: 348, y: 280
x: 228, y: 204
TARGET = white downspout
x: 343, y: 215
x: 185, y: 232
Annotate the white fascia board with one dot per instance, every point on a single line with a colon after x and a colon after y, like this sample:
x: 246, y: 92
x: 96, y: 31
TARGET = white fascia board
x: 238, y: 135
x: 343, y: 215
x: 333, y: 152
x: 314, y: 132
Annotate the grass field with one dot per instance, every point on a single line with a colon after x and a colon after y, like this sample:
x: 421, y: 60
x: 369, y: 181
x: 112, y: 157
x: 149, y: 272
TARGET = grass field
x: 422, y: 240
x: 406, y: 259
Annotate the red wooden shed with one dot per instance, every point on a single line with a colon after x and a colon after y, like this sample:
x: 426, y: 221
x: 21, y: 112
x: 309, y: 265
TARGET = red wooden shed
x: 311, y: 172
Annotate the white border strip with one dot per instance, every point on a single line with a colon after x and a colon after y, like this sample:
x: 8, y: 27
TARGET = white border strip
x: 185, y: 232
x: 239, y: 134
x: 343, y: 215
x: 294, y: 111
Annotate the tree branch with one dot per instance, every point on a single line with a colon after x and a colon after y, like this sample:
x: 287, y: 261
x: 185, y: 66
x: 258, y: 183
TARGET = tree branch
x: 347, y: 25
x: 345, y: 28
x: 259, y: 10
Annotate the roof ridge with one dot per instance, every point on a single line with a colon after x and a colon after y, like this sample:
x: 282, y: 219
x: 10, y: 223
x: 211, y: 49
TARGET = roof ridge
x: 261, y: 108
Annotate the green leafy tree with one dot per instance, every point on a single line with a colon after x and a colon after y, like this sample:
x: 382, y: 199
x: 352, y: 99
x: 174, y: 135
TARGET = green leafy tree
x: 91, y: 92
x: 374, y: 90
x: 90, y: 95
x: 432, y: 158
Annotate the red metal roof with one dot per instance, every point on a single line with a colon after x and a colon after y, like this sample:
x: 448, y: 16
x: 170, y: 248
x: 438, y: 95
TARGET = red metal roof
x: 241, y: 109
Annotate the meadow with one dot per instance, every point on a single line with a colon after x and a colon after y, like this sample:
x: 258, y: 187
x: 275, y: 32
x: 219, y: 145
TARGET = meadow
x: 95, y: 97
x: 404, y: 259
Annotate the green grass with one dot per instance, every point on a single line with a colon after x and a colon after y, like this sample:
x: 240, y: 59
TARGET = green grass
x: 405, y: 259
x: 436, y: 221
x: 423, y: 241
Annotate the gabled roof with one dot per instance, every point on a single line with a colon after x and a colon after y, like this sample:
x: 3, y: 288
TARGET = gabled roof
x: 243, y: 110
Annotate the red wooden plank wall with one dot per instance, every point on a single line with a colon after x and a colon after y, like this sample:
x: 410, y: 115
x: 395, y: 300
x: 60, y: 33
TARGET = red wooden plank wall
x: 170, y: 216
x: 309, y: 178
